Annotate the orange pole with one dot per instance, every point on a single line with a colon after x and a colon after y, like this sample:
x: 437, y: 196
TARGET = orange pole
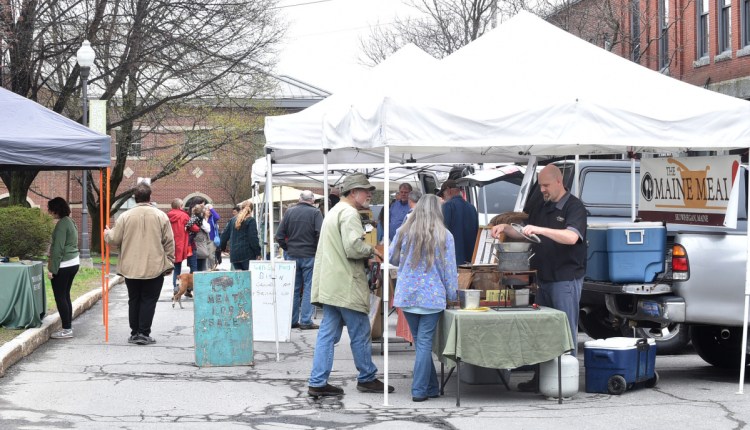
x: 106, y: 326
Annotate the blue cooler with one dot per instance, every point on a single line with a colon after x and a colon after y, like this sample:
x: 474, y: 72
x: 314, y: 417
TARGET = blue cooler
x: 636, y: 251
x: 597, y: 261
x: 616, y: 364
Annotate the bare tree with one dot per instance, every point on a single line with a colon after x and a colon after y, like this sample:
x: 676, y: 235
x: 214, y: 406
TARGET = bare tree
x: 439, y: 28
x: 160, y: 63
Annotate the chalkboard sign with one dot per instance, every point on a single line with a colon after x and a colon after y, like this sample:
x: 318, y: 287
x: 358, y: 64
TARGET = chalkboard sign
x: 223, y: 318
x: 263, y: 309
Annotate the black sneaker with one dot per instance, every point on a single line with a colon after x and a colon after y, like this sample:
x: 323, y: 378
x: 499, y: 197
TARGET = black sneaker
x: 149, y: 340
x: 132, y: 338
x: 311, y: 326
x: 374, y: 386
x: 295, y: 325
x: 140, y: 340
x: 326, y: 391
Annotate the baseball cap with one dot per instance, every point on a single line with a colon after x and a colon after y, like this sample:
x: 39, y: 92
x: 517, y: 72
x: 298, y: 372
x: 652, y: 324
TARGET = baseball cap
x: 357, y: 180
x: 450, y: 183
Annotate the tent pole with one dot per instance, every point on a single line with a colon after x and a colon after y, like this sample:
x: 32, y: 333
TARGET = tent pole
x: 325, y: 181
x: 272, y: 253
x: 386, y: 276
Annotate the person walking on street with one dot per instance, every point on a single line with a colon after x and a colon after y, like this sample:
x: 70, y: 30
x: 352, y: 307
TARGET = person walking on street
x: 144, y: 236
x: 427, y: 279
x: 63, y: 263
x: 298, y: 235
x: 340, y: 287
x: 559, y: 220
x: 461, y: 219
x: 241, y: 234
x: 178, y: 219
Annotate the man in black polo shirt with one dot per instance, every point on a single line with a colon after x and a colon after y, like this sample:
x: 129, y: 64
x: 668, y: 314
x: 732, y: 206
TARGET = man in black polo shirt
x: 560, y: 259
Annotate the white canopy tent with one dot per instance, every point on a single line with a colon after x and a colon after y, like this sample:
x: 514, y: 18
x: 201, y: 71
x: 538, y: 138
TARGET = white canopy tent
x: 553, y: 94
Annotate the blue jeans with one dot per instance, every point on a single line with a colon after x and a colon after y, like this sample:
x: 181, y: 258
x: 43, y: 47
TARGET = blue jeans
x: 302, y: 287
x: 358, y: 326
x: 192, y: 263
x: 424, y: 381
x: 176, y: 274
x: 564, y: 296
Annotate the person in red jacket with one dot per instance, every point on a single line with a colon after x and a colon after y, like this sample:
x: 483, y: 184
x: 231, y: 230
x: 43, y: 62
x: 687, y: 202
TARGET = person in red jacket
x: 178, y: 218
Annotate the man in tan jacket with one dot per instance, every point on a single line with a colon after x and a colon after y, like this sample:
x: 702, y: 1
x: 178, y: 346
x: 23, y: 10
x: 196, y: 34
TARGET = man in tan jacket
x: 146, y: 243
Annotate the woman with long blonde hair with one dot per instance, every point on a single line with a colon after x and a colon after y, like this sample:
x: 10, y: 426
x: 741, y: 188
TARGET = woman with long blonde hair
x: 241, y: 234
x: 425, y: 253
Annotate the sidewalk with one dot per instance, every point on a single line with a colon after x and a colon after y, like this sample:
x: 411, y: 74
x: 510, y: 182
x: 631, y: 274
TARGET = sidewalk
x: 88, y: 383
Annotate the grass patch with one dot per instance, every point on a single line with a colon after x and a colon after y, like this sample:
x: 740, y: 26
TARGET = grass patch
x: 85, y: 281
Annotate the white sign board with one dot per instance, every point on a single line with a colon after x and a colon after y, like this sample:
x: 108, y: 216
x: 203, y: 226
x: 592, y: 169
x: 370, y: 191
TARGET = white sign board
x: 691, y: 190
x: 262, y: 281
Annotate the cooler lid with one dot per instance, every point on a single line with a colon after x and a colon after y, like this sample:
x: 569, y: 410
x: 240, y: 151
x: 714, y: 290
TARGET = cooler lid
x: 598, y: 225
x: 616, y: 343
x: 653, y: 224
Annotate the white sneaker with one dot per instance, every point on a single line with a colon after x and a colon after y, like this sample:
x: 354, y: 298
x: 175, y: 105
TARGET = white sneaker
x: 62, y: 334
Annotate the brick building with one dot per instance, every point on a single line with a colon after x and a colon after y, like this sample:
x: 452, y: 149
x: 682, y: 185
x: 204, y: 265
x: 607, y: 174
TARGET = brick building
x: 702, y: 42
x: 222, y: 178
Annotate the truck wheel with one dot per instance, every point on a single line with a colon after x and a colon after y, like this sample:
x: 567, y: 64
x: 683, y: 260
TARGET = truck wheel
x: 718, y: 346
x: 671, y: 339
x: 651, y: 383
x: 617, y: 384
x: 599, y: 325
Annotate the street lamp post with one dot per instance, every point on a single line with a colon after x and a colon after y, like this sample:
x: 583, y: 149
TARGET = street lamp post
x: 85, y: 58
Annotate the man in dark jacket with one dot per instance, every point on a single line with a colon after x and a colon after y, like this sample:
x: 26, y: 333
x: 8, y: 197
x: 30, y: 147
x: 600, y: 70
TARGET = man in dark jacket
x: 460, y: 219
x: 298, y: 236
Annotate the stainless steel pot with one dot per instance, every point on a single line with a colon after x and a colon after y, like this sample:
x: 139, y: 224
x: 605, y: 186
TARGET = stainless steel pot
x: 513, y: 256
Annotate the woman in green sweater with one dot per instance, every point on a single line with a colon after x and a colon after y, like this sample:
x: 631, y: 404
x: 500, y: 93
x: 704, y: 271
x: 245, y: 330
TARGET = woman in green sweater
x: 63, y: 263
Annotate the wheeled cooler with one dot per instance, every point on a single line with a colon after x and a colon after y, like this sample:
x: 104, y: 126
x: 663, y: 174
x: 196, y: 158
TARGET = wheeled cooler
x: 617, y: 364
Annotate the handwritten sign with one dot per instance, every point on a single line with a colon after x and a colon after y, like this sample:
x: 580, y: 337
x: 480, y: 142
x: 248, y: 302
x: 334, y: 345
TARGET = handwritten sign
x: 262, y: 275
x: 223, y: 319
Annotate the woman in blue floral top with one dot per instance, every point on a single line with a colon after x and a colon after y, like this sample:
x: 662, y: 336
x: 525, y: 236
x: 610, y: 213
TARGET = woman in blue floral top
x: 427, y: 278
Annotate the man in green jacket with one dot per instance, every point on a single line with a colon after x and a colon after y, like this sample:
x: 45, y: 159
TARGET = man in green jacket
x: 339, y: 285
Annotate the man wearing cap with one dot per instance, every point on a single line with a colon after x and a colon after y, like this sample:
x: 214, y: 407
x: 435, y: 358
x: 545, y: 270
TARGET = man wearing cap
x: 460, y: 219
x: 339, y: 285
x: 399, y: 209
x: 298, y: 236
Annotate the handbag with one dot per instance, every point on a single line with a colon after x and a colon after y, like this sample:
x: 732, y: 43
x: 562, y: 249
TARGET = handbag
x: 215, y: 228
x: 201, y: 245
x: 217, y: 240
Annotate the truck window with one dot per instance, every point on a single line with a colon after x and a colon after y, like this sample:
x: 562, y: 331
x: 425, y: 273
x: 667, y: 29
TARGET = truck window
x: 606, y: 188
x: 501, y: 197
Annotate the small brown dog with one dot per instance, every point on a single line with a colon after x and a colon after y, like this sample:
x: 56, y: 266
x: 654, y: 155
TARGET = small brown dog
x: 184, y: 285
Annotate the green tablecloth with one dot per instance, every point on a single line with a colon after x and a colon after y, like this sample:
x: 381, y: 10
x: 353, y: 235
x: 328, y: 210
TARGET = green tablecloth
x: 504, y: 339
x: 23, y: 298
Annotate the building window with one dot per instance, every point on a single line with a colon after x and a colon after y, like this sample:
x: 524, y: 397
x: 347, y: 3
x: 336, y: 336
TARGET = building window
x: 197, y: 143
x: 635, y: 31
x: 724, y: 25
x: 746, y: 23
x: 135, y: 145
x: 663, y: 34
x: 702, y: 30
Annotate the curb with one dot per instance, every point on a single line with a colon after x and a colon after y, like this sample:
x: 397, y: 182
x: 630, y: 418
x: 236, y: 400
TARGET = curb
x: 31, y: 339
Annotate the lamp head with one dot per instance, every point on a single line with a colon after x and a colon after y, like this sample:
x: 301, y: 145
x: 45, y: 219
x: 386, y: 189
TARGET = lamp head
x: 85, y: 55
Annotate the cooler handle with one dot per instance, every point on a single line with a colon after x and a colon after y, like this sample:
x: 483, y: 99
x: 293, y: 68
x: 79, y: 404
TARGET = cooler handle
x: 638, y: 241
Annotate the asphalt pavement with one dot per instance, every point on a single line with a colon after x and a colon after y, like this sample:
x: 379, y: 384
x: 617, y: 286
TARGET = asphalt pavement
x: 87, y: 383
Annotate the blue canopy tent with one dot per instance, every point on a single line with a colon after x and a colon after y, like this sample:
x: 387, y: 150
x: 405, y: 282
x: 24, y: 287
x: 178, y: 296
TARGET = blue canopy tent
x: 34, y: 137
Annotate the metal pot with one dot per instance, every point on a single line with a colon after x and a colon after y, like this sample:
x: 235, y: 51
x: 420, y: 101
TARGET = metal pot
x: 513, y: 256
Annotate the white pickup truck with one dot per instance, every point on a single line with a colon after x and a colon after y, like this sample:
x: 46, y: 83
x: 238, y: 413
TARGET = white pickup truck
x: 698, y: 297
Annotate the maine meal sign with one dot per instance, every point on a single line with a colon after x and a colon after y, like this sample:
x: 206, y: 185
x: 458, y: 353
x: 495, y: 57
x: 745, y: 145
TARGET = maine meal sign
x: 690, y: 190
